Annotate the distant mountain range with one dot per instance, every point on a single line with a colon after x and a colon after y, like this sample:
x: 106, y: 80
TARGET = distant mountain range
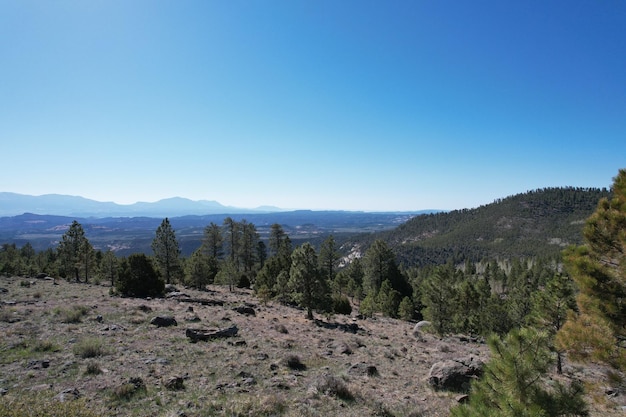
x: 13, y: 204
x: 130, y: 228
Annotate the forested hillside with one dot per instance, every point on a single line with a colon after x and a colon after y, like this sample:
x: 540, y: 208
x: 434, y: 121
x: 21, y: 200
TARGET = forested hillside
x: 537, y: 223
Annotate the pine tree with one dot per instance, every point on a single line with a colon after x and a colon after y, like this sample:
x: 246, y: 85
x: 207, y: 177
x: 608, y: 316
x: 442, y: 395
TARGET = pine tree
x: 167, y: 251
x: 550, y: 309
x: 514, y: 385
x: 309, y: 288
x: 329, y: 258
x: 438, y: 296
x: 74, y: 251
x: 200, y: 270
x: 138, y: 277
x: 109, y: 266
x: 599, y: 269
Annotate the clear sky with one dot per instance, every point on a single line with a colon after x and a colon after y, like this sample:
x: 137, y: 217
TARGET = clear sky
x: 324, y: 104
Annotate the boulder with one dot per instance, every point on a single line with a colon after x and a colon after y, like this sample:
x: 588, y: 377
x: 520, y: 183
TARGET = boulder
x: 170, y: 288
x: 68, y: 394
x: 175, y: 383
x: 455, y: 374
x: 362, y: 369
x: 164, y: 321
x: 245, y: 310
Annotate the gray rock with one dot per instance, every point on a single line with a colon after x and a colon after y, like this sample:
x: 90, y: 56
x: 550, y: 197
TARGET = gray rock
x: 362, y: 369
x: 245, y: 310
x: 455, y: 374
x: 68, y: 395
x: 164, y: 321
x: 175, y: 383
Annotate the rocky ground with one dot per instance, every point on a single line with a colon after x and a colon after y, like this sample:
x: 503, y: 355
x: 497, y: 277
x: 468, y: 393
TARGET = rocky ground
x: 68, y: 340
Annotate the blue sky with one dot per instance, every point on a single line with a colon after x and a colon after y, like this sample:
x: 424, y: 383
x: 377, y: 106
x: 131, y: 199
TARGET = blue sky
x: 354, y: 105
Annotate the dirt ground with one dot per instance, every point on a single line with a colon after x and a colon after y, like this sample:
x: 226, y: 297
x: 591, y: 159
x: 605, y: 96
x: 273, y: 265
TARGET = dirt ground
x: 279, y: 363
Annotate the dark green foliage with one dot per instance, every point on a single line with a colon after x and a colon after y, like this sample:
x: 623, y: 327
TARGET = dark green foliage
x: 551, y: 307
x: 406, y: 310
x: 138, y: 278
x: 75, y: 253
x: 439, y: 295
x: 514, y: 384
x: 167, y: 251
x: 329, y: 258
x: 200, y: 270
x: 341, y: 305
x: 388, y: 299
x: 533, y: 224
x: 599, y: 270
x: 308, y: 287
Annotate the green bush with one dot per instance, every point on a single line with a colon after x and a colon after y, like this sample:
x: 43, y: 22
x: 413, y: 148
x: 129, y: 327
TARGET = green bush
x: 341, y: 305
x: 74, y: 314
x: 139, y: 278
x: 89, y: 348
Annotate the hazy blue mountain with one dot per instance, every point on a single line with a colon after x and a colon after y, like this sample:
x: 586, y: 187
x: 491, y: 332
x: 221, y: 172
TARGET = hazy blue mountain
x: 13, y: 204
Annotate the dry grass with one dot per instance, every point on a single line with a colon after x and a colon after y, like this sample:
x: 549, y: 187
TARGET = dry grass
x: 279, y: 364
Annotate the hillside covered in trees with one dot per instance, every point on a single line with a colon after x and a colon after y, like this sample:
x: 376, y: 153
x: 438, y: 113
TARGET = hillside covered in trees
x: 536, y: 223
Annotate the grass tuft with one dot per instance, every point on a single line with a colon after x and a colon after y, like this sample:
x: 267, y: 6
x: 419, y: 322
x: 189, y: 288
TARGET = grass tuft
x: 90, y: 348
x: 37, y: 405
x: 74, y: 314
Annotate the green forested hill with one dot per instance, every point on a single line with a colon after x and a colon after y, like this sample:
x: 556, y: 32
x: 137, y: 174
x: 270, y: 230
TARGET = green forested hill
x: 537, y: 223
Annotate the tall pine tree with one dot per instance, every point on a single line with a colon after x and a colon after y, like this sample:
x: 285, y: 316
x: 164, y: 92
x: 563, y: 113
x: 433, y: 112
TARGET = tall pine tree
x: 599, y: 269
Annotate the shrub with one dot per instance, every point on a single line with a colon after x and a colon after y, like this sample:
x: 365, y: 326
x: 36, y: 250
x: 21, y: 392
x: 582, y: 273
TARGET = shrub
x: 44, y: 346
x: 341, y: 305
x: 93, y: 368
x: 331, y: 385
x: 74, y: 314
x: 294, y: 362
x: 89, y: 348
x: 128, y: 390
x: 138, y: 278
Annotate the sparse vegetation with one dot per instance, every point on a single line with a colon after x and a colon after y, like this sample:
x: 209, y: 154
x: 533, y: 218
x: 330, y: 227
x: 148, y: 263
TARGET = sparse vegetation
x: 73, y: 314
x: 89, y: 347
x: 38, y: 405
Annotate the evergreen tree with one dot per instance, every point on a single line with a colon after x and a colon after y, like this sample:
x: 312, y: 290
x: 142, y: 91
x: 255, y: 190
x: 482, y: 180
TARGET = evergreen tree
x: 248, y: 241
x: 228, y: 274
x: 329, y: 258
x: 139, y: 278
x: 232, y: 236
x: 213, y: 242
x: 379, y: 264
x: 439, y: 296
x: 276, y: 238
x: 167, y: 251
x: 388, y: 299
x: 406, y: 310
x: 109, y: 266
x: 355, y: 275
x: 599, y: 269
x: 309, y: 288
x: 551, y: 307
x: 73, y: 251
x: 200, y: 270
x: 514, y: 385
